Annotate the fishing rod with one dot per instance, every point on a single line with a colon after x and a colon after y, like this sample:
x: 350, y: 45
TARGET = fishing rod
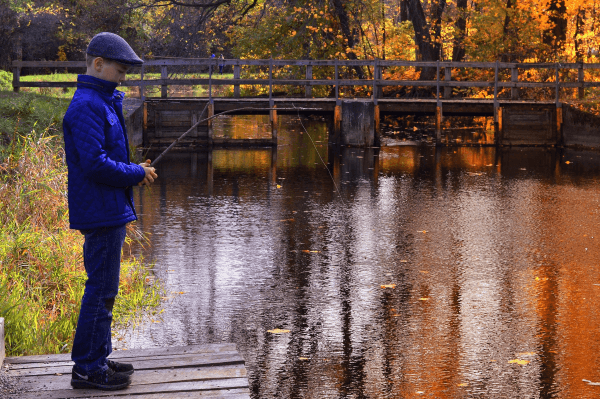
x: 174, y: 143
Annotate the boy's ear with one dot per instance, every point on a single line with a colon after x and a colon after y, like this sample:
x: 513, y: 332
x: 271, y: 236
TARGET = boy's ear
x: 98, y: 63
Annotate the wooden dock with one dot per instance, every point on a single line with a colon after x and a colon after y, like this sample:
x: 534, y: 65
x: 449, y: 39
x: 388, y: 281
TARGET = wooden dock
x: 199, y: 371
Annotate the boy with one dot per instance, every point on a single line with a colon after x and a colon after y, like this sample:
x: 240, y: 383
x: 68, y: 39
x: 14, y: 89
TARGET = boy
x: 100, y: 180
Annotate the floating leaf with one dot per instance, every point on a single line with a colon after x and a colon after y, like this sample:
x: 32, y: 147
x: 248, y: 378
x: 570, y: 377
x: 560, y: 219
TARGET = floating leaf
x: 519, y: 361
x: 423, y: 271
x: 403, y: 261
x: 423, y: 299
x: 464, y: 384
x: 302, y: 358
x: 422, y: 231
x: 392, y: 286
x: 278, y: 331
x: 278, y: 186
x: 568, y: 162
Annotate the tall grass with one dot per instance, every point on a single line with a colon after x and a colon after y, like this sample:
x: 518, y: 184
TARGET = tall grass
x: 41, y: 260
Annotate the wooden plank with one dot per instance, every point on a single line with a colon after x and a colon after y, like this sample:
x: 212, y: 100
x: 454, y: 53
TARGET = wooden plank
x: 140, y: 377
x: 184, y: 386
x: 131, y: 353
x: 236, y: 393
x: 142, y: 364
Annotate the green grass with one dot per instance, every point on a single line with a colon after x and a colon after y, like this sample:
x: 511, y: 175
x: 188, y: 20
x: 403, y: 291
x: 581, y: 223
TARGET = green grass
x: 41, y: 268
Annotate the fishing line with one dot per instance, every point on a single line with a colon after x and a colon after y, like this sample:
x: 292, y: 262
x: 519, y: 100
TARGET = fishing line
x: 321, y: 158
x: 221, y: 114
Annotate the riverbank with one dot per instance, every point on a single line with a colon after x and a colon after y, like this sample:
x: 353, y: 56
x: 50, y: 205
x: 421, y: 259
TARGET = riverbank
x: 41, y: 270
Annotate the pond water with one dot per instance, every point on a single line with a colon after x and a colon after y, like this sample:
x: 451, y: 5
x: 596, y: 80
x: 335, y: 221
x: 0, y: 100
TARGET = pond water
x: 409, y: 271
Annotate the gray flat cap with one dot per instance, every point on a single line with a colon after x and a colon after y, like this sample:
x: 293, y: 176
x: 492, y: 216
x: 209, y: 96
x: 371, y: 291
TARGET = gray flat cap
x: 110, y: 45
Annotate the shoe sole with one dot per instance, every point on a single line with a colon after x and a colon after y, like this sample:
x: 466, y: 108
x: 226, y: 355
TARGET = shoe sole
x: 90, y: 385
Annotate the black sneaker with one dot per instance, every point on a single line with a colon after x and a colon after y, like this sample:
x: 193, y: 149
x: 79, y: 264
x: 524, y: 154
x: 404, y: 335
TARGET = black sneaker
x: 108, y: 380
x: 123, y: 368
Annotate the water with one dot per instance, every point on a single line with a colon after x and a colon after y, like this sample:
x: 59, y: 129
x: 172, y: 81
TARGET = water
x: 443, y: 273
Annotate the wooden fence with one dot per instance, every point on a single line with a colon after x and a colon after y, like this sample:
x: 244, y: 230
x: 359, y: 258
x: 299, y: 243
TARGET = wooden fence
x: 375, y: 69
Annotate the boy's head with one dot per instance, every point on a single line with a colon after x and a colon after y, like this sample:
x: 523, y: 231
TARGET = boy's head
x: 109, y: 57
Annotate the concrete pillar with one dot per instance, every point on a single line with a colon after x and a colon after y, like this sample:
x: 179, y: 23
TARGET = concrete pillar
x: 273, y: 117
x: 358, y: 123
x: 211, y: 112
x: 438, y: 125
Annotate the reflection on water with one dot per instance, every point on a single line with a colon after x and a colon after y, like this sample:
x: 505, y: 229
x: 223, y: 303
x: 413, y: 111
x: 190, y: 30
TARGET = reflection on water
x: 445, y: 273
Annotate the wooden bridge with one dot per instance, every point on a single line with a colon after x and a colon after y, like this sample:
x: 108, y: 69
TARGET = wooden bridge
x: 289, y: 84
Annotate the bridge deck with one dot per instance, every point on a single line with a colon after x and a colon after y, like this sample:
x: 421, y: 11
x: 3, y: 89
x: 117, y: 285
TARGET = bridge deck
x: 200, y: 371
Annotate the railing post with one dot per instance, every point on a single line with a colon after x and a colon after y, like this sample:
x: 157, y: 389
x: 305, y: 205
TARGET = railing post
x: 236, y: 75
x: 447, y: 79
x: 16, y: 79
x: 337, y: 84
x: 308, y: 87
x: 142, y: 87
x: 163, y: 75
x: 270, y: 82
x: 377, y: 89
x: 437, y: 77
x: 210, y: 65
x: 557, y: 87
x: 580, y: 79
x: 497, y: 111
x: 514, y: 78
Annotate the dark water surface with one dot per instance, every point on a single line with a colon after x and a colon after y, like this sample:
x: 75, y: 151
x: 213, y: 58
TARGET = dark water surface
x: 442, y: 273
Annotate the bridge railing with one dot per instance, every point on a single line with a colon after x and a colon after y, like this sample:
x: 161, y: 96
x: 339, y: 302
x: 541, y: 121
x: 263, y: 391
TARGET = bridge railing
x: 444, y: 80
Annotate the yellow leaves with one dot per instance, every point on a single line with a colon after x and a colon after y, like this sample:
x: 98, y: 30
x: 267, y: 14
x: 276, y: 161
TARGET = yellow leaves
x: 568, y: 162
x: 464, y: 384
x: 278, y: 186
x: 308, y: 251
x: 423, y: 299
x: 390, y: 286
x: 422, y: 231
x: 278, y: 331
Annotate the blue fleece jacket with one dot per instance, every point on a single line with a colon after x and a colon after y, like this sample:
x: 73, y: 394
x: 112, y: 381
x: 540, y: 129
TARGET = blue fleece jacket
x: 100, y: 175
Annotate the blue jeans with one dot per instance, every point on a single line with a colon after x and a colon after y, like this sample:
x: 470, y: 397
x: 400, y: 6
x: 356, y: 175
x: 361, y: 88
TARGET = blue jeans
x: 102, y: 261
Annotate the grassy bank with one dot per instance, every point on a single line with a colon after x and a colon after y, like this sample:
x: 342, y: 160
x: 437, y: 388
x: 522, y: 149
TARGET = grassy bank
x: 41, y: 267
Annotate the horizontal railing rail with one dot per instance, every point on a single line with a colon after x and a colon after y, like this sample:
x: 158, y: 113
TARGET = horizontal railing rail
x: 443, y: 83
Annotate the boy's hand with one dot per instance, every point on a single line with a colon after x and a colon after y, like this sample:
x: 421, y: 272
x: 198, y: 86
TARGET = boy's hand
x: 150, y: 173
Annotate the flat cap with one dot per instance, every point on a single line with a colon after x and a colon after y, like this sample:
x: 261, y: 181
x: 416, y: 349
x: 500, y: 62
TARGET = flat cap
x: 114, y: 47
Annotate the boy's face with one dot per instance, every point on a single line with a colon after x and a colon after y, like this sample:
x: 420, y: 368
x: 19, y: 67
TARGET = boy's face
x: 109, y: 70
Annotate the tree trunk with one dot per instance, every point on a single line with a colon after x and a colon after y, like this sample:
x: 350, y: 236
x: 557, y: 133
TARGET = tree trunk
x: 557, y: 35
x: 429, y: 47
x: 460, y: 28
x: 579, y: 25
x: 349, y: 34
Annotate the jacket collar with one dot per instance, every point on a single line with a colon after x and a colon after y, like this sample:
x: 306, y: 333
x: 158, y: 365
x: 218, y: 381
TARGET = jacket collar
x: 103, y: 86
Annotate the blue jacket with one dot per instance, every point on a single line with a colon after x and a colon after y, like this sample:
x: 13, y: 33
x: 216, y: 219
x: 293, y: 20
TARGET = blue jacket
x: 100, y: 175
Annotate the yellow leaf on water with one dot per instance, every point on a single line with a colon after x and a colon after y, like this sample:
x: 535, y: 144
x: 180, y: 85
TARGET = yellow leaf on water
x: 422, y: 231
x: 568, y: 162
x: 403, y: 261
x: 302, y: 358
x: 392, y: 286
x: 519, y: 361
x: 278, y: 186
x: 423, y: 271
x: 278, y: 331
x: 464, y: 384
x: 423, y: 299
